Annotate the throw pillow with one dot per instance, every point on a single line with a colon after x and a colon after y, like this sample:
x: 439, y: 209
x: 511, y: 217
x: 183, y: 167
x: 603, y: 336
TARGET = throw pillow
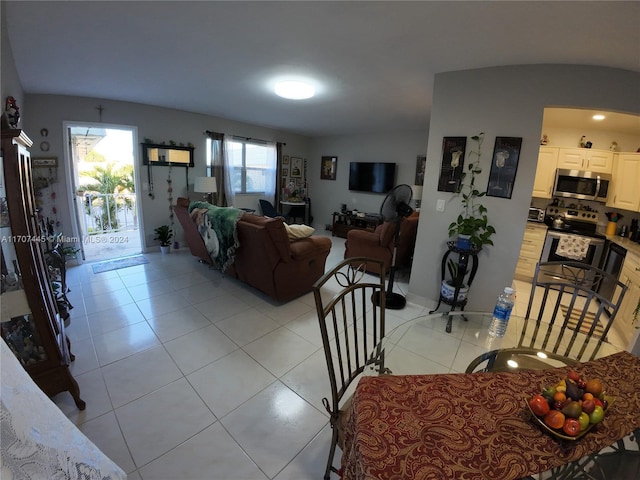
x: 298, y: 232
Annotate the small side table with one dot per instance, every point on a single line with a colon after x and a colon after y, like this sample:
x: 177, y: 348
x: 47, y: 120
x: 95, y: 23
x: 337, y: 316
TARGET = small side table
x: 298, y: 204
x: 464, y: 256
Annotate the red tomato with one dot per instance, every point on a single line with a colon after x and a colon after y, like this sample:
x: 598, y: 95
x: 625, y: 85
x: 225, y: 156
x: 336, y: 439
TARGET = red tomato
x: 539, y: 405
x: 571, y: 427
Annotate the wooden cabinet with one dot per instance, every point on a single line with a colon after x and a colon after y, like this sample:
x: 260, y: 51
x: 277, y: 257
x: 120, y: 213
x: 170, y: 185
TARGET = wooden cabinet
x: 630, y: 276
x: 625, y: 191
x: 343, y: 222
x: 586, y: 159
x: 530, y: 251
x: 545, y: 172
x: 30, y: 323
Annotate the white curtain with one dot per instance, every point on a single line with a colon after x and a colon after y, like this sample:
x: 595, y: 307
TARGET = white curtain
x: 271, y: 169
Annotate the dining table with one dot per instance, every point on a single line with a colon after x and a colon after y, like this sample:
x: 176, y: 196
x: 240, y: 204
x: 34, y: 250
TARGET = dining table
x: 417, y: 414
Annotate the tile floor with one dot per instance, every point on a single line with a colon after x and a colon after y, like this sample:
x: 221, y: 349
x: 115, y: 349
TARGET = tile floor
x: 188, y: 374
x: 192, y: 375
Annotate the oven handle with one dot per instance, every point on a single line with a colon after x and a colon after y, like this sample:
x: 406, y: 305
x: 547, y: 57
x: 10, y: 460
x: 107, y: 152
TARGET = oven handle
x: 592, y: 240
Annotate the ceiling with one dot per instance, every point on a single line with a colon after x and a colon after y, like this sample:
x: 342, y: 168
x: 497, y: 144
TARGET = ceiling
x: 578, y: 118
x: 373, y: 62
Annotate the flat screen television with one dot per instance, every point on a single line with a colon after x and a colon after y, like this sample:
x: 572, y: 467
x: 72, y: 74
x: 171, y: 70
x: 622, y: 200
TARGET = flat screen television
x: 373, y: 177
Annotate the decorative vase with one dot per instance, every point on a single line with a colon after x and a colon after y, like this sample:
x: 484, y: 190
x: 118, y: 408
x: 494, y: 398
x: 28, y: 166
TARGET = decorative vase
x: 464, y: 242
x: 165, y: 249
x: 448, y: 290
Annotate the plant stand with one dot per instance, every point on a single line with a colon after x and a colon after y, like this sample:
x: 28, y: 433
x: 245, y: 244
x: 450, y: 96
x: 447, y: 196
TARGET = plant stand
x: 464, y: 257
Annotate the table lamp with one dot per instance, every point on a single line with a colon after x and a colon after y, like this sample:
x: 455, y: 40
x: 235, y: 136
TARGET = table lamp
x: 207, y: 186
x: 417, y: 195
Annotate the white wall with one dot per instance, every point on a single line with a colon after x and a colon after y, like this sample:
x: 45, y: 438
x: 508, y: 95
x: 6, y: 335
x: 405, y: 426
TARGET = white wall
x: 159, y: 124
x: 401, y: 148
x: 10, y: 85
x: 502, y: 101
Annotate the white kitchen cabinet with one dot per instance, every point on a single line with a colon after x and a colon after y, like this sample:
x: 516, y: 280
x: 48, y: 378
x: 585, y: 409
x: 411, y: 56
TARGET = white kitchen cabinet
x: 630, y: 276
x: 624, y: 189
x: 530, y: 251
x: 586, y: 159
x: 545, y: 172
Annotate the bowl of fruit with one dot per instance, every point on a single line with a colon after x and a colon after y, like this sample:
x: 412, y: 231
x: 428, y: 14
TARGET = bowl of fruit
x: 571, y: 408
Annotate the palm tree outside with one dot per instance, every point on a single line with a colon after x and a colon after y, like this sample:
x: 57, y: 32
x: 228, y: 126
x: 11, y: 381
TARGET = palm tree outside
x: 104, y: 177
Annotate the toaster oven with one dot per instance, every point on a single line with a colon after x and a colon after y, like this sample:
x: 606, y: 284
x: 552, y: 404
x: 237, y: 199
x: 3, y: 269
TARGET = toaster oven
x: 536, y: 214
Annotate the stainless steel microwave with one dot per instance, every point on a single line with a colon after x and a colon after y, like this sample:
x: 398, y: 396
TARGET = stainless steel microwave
x: 582, y: 185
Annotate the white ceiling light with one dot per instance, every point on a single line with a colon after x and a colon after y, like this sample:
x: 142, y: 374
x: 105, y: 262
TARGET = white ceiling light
x: 598, y: 117
x: 294, y: 90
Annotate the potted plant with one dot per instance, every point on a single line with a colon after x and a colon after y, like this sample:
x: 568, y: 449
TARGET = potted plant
x: 163, y: 235
x: 448, y: 288
x: 472, y: 225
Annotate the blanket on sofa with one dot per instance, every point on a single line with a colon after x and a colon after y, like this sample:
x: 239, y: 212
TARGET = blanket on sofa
x: 217, y: 226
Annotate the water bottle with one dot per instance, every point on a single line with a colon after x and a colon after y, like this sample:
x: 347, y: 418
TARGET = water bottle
x: 501, y: 313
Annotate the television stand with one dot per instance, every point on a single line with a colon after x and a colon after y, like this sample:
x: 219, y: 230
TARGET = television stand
x: 343, y: 222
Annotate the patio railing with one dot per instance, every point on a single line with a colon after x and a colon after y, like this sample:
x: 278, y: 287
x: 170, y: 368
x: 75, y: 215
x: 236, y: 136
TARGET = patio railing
x: 107, y: 212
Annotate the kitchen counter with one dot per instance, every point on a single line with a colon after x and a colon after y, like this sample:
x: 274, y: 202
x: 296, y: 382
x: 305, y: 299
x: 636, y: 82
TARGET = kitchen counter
x: 632, y: 247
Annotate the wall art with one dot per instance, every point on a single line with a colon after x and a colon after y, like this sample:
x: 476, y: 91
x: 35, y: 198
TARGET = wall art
x: 44, y: 162
x: 296, y: 166
x: 453, y: 150
x: 504, y: 165
x: 329, y: 168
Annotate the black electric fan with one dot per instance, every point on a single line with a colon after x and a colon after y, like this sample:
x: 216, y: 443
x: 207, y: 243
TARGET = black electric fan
x: 394, y: 208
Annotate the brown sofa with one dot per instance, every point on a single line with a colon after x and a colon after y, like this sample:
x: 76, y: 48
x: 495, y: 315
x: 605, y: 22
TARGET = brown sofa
x: 379, y: 243
x: 266, y: 259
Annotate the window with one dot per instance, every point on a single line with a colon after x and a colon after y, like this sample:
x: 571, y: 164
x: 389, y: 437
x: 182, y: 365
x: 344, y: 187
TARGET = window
x: 249, y: 163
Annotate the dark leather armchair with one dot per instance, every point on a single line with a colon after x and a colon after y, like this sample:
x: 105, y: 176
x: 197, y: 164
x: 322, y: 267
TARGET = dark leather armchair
x: 379, y: 243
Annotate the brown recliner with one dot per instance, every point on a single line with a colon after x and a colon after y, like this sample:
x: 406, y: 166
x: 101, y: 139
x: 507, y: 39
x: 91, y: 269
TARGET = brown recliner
x: 379, y: 243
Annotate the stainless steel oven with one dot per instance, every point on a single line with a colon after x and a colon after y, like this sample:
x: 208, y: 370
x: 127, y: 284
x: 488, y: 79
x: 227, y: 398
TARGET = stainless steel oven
x: 577, y: 223
x: 592, y: 257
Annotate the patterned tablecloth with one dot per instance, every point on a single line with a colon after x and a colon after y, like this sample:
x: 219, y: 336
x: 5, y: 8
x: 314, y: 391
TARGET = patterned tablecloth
x: 476, y: 426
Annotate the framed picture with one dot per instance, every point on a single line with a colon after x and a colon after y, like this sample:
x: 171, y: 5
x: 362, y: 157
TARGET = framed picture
x: 285, y: 159
x: 504, y: 165
x: 299, y: 182
x: 421, y: 165
x: 296, y: 167
x: 453, y: 150
x: 329, y: 167
x: 44, y: 162
x: 285, y: 172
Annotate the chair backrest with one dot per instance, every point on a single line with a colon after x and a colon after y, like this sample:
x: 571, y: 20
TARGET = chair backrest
x: 350, y: 304
x: 564, y: 294
x: 268, y: 209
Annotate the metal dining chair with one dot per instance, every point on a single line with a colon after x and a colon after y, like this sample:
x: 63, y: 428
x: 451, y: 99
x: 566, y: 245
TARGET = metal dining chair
x: 564, y: 298
x: 350, y: 304
x: 565, y: 295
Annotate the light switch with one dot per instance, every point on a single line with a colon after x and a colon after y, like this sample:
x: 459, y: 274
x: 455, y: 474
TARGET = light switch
x: 440, y: 205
